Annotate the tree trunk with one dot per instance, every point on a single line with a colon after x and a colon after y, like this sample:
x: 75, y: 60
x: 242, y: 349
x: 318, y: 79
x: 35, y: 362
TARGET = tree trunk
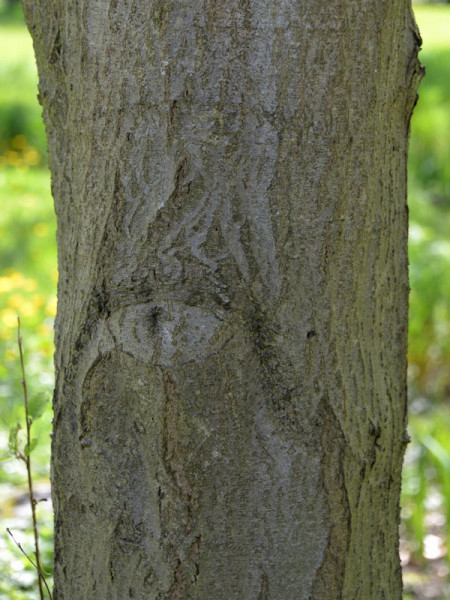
x: 230, y: 187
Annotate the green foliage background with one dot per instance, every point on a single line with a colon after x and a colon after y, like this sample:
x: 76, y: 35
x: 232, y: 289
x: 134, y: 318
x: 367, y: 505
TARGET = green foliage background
x: 28, y: 277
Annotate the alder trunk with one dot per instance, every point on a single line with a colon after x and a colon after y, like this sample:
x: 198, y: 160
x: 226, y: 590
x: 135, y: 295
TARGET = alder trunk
x: 230, y: 187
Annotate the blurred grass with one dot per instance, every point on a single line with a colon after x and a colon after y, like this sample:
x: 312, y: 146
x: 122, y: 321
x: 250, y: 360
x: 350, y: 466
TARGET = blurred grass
x: 28, y: 278
x: 426, y: 477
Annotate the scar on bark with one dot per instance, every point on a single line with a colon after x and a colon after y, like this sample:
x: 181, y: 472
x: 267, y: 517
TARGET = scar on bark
x: 264, y: 591
x: 153, y: 317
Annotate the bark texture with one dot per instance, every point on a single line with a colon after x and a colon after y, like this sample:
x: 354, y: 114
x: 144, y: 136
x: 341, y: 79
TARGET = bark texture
x: 230, y: 187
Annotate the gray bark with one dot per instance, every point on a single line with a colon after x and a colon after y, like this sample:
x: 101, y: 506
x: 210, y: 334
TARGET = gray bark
x: 230, y: 187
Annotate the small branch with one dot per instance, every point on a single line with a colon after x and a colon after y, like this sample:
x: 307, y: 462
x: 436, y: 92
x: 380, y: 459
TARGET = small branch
x: 28, y: 464
x: 34, y: 565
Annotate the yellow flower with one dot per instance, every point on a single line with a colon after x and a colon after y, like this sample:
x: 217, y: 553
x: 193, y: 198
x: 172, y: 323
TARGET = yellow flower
x: 9, y: 317
x: 13, y: 158
x: 31, y: 156
x: 28, y: 309
x: 29, y: 285
x: 6, y: 285
x: 44, y: 330
x: 28, y: 200
x: 10, y: 354
x: 54, y: 275
x: 38, y: 300
x: 17, y: 279
x: 51, y: 307
x: 40, y: 229
x: 16, y: 301
x: 46, y: 348
x: 19, y: 142
x: 6, y: 334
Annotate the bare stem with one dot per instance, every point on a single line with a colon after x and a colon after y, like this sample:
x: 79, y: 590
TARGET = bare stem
x: 34, y: 564
x: 28, y: 464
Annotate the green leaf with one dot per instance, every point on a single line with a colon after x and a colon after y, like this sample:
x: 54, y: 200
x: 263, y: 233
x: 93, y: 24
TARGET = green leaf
x: 29, y: 448
x: 36, y: 405
x: 437, y: 450
x: 13, y: 442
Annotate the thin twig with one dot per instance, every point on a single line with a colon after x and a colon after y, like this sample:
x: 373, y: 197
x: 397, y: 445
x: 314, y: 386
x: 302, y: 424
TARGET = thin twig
x: 28, y: 464
x: 34, y: 565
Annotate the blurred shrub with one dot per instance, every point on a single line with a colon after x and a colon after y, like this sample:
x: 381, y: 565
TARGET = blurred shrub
x: 429, y: 200
x: 426, y: 487
x: 20, y: 114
